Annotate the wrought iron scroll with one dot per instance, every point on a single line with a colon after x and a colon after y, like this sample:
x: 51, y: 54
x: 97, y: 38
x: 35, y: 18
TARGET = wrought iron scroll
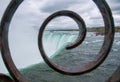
x: 4, y: 78
x: 12, y: 7
x: 104, y: 51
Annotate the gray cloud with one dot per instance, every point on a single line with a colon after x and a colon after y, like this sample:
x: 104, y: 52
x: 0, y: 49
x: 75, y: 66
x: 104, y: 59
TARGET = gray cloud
x: 97, y: 18
x: 57, y: 5
x: 114, y: 4
x: 35, y: 12
x: 3, y: 5
x: 115, y: 7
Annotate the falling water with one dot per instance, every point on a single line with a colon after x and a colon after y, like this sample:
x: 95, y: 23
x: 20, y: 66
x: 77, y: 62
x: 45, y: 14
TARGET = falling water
x: 53, y: 43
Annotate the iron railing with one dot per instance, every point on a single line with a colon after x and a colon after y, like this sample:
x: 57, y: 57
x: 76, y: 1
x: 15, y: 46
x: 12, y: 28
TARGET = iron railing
x: 104, y: 51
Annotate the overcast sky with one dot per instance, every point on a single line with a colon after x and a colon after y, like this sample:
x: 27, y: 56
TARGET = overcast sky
x: 33, y: 12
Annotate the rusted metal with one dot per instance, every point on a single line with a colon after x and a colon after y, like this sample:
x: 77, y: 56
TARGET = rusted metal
x: 4, y: 78
x: 115, y: 76
x: 75, y: 17
x: 105, y: 49
x: 5, y: 47
x: 81, y: 25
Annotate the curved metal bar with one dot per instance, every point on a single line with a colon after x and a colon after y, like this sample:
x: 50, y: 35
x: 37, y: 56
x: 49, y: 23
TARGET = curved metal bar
x: 72, y: 15
x: 115, y: 76
x: 108, y: 41
x: 80, y: 23
x: 5, y: 47
x: 4, y: 78
x: 105, y: 49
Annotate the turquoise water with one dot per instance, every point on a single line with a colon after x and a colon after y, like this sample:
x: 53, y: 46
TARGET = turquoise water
x: 54, y: 42
x: 79, y: 56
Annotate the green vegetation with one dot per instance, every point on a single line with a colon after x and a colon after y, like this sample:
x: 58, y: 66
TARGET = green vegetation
x: 89, y: 29
x: 96, y: 29
x: 117, y: 28
x: 101, y: 29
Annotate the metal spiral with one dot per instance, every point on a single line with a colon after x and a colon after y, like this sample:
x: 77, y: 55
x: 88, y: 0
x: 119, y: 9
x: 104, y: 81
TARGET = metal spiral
x: 12, y: 7
x: 104, y: 51
x: 4, y: 78
x: 72, y: 15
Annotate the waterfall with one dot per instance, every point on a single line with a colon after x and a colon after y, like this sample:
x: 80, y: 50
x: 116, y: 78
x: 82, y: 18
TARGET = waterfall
x: 55, y: 42
x: 27, y: 47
